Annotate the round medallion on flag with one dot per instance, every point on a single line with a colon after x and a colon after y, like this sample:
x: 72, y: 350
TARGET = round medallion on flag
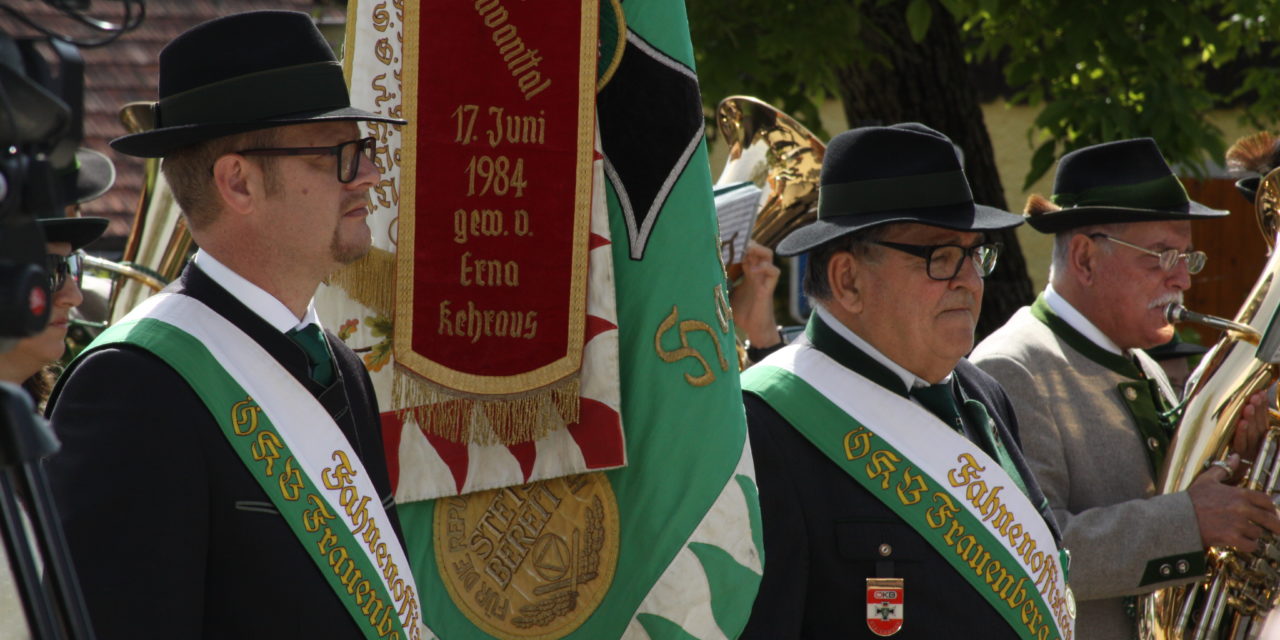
x: 529, y: 562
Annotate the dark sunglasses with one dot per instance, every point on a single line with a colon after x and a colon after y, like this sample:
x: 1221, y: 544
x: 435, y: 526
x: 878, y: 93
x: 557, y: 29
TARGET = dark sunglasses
x: 348, y: 153
x: 61, y: 268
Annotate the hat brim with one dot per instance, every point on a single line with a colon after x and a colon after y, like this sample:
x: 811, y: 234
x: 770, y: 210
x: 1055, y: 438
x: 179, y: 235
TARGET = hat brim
x: 78, y: 232
x: 1168, y: 351
x: 160, y: 142
x: 1248, y: 187
x: 1064, y: 219
x: 976, y: 217
x: 94, y: 176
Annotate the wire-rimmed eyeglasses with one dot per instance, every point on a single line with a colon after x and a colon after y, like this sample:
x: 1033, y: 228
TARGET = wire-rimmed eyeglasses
x: 1168, y: 258
x: 348, y: 153
x: 944, y: 260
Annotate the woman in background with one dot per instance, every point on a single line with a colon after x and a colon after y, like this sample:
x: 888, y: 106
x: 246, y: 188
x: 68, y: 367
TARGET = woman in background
x: 30, y: 362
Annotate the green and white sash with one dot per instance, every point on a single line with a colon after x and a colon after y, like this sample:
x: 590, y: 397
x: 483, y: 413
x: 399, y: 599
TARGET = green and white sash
x: 295, y: 450
x: 944, y: 486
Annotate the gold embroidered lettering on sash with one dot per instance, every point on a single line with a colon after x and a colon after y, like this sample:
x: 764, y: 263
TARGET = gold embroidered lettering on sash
x: 857, y: 443
x: 318, y: 519
x: 340, y: 478
x: 985, y: 499
x: 967, y: 481
x: 244, y: 417
x: 267, y: 448
x: 313, y: 519
x: 291, y: 483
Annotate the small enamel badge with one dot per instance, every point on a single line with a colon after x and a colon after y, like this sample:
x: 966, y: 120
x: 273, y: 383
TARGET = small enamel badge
x: 884, y: 605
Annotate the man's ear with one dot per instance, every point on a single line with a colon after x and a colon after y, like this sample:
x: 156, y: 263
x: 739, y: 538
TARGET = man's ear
x: 1082, y: 259
x: 845, y: 273
x: 235, y: 177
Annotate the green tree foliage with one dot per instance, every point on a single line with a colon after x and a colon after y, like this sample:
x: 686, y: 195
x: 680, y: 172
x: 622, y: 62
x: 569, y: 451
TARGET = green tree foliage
x: 1126, y: 68
x: 1100, y: 70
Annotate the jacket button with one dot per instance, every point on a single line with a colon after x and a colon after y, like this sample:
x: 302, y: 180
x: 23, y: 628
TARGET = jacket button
x: 1183, y: 566
x: 1152, y: 443
x: 1130, y: 394
x: 885, y: 549
x: 1165, y: 570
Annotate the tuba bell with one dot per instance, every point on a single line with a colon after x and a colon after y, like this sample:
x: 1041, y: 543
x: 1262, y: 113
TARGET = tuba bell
x: 159, y: 244
x: 1238, y: 590
x: 769, y: 148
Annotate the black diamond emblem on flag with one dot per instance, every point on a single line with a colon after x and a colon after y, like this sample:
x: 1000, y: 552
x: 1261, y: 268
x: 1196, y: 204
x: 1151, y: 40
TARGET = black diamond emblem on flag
x: 651, y: 122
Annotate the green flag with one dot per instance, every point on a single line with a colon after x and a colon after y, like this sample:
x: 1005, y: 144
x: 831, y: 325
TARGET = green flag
x: 685, y: 535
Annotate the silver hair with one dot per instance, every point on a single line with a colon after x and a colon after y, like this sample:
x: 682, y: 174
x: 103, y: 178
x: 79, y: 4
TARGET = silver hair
x: 1062, y: 244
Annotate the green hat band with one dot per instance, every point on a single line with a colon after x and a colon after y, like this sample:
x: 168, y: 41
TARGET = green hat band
x: 1165, y: 192
x: 893, y: 194
x: 315, y: 86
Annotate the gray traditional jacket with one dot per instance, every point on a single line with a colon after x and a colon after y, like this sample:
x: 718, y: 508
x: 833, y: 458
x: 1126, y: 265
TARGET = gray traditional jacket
x: 1094, y: 436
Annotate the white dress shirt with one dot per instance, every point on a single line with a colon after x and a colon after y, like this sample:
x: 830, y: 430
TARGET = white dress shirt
x: 1077, y: 321
x: 911, y: 380
x: 265, y: 305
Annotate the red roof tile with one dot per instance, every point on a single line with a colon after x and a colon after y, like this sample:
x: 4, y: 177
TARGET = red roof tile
x: 126, y: 71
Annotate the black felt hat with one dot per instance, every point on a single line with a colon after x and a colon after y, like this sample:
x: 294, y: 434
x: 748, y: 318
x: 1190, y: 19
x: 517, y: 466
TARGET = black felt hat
x: 1176, y: 348
x: 1248, y: 187
x: 240, y: 73
x: 91, y: 176
x: 1113, y: 182
x: 78, y: 232
x: 901, y: 173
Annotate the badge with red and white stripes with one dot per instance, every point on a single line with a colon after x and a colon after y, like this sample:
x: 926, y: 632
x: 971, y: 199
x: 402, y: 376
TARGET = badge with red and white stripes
x: 884, y: 605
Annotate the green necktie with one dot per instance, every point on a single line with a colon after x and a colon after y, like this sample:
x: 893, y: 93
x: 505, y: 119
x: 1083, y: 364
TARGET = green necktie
x: 312, y: 341
x: 939, y: 400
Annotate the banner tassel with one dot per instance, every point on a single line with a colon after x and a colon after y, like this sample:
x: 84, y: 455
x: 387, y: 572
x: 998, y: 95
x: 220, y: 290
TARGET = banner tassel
x: 370, y: 280
x: 486, y: 420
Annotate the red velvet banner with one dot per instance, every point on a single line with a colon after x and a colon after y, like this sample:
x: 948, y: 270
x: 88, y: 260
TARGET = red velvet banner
x: 492, y: 253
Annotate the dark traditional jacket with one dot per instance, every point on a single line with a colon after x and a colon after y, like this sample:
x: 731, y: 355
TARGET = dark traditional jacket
x: 169, y: 533
x: 824, y: 533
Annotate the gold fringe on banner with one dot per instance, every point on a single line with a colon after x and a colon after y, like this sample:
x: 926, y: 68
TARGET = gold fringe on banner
x: 486, y: 420
x: 370, y: 280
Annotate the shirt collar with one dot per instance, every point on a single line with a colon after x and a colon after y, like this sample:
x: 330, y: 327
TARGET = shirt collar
x: 1077, y: 321
x: 265, y: 305
x: 910, y: 380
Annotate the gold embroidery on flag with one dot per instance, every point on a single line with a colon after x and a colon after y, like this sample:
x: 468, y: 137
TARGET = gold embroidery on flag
x: 530, y: 562
x: 486, y: 419
x: 686, y: 327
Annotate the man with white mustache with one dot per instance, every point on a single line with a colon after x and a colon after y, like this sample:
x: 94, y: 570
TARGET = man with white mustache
x: 1093, y: 406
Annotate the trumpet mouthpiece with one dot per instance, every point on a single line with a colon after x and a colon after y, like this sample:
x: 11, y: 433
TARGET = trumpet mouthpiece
x: 1178, y: 313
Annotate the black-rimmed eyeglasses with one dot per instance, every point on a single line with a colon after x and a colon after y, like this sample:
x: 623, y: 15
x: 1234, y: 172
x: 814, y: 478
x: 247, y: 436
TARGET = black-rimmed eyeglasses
x: 348, y: 153
x: 944, y: 260
x: 62, y: 268
x: 1168, y: 258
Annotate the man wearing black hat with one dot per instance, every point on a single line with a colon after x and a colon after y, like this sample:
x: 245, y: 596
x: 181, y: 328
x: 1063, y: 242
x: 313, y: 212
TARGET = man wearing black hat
x: 222, y: 470
x: 888, y: 466
x: 1092, y: 405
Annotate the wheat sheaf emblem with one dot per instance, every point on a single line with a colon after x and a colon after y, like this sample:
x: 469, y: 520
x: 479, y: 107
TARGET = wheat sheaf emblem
x: 563, y: 602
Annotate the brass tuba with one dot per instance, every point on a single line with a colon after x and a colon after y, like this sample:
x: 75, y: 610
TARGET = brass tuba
x: 158, y: 245
x: 772, y: 150
x: 1239, y: 589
